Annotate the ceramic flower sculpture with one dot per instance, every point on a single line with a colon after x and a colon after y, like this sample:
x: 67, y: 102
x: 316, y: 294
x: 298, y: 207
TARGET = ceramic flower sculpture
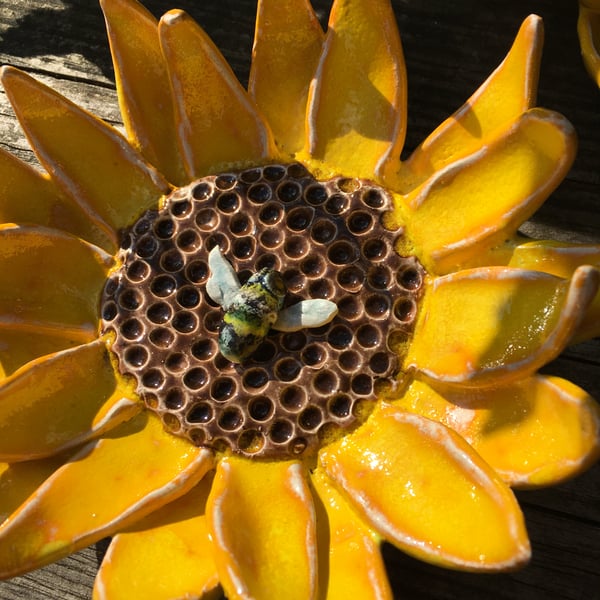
x: 272, y: 460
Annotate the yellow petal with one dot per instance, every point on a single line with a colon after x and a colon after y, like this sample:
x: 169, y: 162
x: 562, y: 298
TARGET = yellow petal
x: 219, y: 126
x: 262, y: 523
x: 534, y: 432
x: 481, y: 200
x: 19, y: 480
x: 23, y: 342
x: 39, y: 316
x: 164, y: 556
x: 62, y: 400
x: 357, y: 103
x: 489, y: 326
x: 561, y: 259
x: 509, y: 91
x: 49, y: 279
x: 87, y: 158
x: 423, y: 488
x: 287, y: 45
x: 106, y: 486
x: 351, y: 562
x: 143, y: 85
x: 557, y: 258
x: 27, y: 196
x: 588, y: 28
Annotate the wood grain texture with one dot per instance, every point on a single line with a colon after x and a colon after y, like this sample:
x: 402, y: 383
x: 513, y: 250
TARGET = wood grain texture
x: 450, y: 49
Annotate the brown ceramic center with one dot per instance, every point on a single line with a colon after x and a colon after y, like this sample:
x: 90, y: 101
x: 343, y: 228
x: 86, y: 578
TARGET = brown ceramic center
x: 297, y: 389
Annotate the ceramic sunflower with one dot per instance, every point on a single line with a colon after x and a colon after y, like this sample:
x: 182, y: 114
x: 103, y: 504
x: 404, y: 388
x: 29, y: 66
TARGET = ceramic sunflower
x: 248, y: 342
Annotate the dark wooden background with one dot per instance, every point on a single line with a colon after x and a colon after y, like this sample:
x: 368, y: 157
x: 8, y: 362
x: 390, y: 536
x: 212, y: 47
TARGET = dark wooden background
x: 450, y: 49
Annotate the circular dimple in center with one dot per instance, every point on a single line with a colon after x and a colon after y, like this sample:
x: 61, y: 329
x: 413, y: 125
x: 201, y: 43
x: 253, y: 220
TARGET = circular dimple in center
x: 297, y: 389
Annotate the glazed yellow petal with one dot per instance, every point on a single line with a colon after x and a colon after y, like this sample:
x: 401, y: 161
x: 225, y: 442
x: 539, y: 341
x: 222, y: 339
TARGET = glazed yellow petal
x: 19, y: 480
x: 261, y: 521
x: 143, y: 85
x: 557, y: 258
x: 28, y: 196
x: 489, y: 326
x: 424, y: 489
x: 478, y: 202
x: 588, y: 28
x: 287, y: 45
x: 62, y: 400
x: 357, y: 104
x: 509, y: 91
x: 561, y: 259
x: 164, y: 556
x: 24, y: 342
x: 533, y: 432
x: 351, y: 563
x: 106, y: 486
x: 50, y: 280
x: 88, y: 159
x: 217, y: 122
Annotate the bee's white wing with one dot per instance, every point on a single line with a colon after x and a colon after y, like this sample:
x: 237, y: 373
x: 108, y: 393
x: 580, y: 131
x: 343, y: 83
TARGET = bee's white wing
x: 308, y: 313
x: 223, y: 283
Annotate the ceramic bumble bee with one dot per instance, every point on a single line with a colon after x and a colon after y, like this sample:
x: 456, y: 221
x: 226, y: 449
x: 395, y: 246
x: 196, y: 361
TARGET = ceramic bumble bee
x: 255, y: 307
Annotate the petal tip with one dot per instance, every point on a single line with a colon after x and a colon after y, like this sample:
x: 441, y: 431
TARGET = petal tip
x: 174, y: 16
x: 8, y: 71
x: 533, y: 28
x: 534, y: 23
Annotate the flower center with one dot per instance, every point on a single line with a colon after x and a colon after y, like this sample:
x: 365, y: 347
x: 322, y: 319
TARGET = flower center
x: 300, y: 387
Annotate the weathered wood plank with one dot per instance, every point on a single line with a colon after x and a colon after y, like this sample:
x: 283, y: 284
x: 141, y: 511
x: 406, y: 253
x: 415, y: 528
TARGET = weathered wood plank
x: 68, y: 579
x: 450, y: 49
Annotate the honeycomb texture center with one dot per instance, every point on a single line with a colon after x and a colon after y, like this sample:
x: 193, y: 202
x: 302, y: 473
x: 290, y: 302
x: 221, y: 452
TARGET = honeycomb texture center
x: 298, y: 389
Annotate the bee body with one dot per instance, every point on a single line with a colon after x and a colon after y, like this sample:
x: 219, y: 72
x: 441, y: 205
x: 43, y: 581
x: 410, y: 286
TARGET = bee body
x: 250, y: 310
x: 250, y: 314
